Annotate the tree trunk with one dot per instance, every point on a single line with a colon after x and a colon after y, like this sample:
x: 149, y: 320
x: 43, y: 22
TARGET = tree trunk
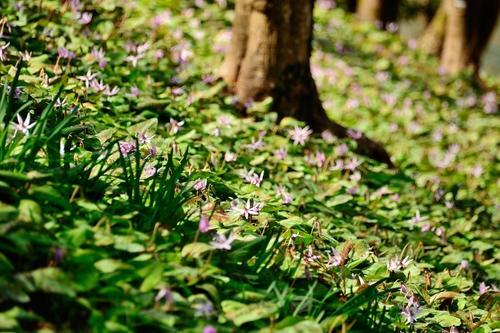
x: 433, y: 38
x: 469, y: 26
x: 269, y: 56
x: 383, y: 11
x: 369, y: 10
x: 454, y: 57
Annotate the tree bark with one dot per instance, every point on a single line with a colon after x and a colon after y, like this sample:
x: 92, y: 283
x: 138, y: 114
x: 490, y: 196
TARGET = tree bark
x: 383, y: 11
x: 269, y: 56
x: 454, y: 57
x: 433, y: 38
x: 469, y: 26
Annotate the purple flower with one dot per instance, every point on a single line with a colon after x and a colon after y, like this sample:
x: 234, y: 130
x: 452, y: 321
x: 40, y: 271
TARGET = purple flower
x: 23, y: 126
x: 464, y: 264
x: 164, y: 293
x: 299, y: 135
x: 221, y: 242
x: 257, y: 144
x: 281, y: 153
x: 354, y: 134
x: 58, y: 254
x: 98, y: 55
x: 126, y: 148
x: 64, y: 53
x: 453, y: 329
x: 410, y: 313
x: 144, y: 138
x: 97, y: 86
x: 412, y: 308
x: 200, y: 184
x: 204, y: 225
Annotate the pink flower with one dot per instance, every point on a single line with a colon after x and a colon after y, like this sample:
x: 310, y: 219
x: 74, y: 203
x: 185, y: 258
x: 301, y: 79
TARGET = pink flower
x: 209, y: 329
x: 204, y: 225
x: 281, y: 153
x: 286, y: 197
x: 354, y: 134
x: 299, y: 135
x: 483, y: 288
x: 149, y: 171
x: 126, y: 148
x: 200, y: 184
x: 327, y: 136
x: 84, y: 18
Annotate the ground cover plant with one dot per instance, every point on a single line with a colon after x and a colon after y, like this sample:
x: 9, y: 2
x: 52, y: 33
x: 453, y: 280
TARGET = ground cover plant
x: 136, y: 198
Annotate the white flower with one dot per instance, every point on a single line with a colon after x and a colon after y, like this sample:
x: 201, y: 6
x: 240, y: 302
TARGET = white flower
x: 221, y: 242
x: 334, y: 259
x: 3, y: 56
x: 87, y: 78
x: 230, y: 157
x: 23, y: 126
x: 249, y: 209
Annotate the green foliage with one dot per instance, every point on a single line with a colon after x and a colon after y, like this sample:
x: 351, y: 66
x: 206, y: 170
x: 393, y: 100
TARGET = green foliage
x: 104, y: 194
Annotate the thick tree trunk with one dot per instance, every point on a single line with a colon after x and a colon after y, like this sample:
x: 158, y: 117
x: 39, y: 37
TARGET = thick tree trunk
x: 433, y: 38
x: 269, y: 56
x: 454, y: 56
x: 383, y: 11
x: 469, y: 26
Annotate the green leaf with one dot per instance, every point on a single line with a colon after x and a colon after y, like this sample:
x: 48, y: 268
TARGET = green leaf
x: 153, y: 278
x: 109, y: 265
x: 195, y: 250
x: 444, y: 319
x: 241, y: 313
x: 52, y: 280
x: 29, y: 211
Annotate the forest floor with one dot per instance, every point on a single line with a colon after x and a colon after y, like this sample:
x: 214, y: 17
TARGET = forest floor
x: 134, y: 198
